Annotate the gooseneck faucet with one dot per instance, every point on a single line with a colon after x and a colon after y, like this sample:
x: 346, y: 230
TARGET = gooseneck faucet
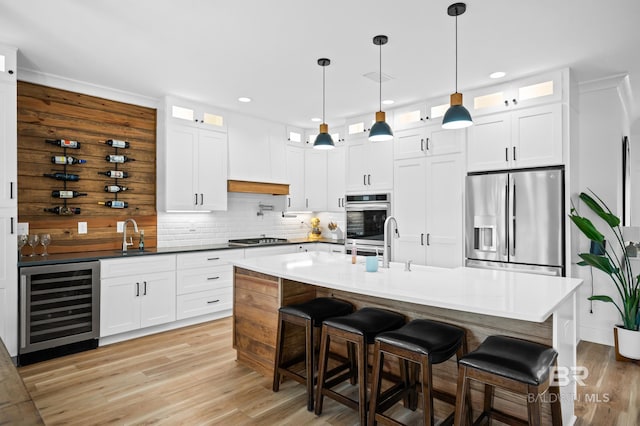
x: 386, y: 255
x: 125, y: 244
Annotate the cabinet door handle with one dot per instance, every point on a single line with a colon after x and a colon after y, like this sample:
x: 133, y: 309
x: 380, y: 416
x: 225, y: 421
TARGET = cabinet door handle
x: 427, y: 144
x: 336, y: 251
x: 11, y: 225
x: 368, y: 179
x: 213, y: 301
x: 145, y: 288
x: 421, y: 143
x: 306, y: 202
x: 506, y: 102
x: 338, y: 201
x: 213, y: 258
x: 428, y: 239
x: 514, y: 153
x: 11, y: 190
x: 289, y: 202
x: 212, y: 278
x: 202, y: 199
x: 514, y: 101
x: 506, y: 154
x: 365, y: 179
x: 137, y: 289
x: 196, y: 197
x: 421, y: 239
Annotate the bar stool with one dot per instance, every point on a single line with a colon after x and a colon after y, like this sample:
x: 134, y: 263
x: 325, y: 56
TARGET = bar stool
x: 308, y: 315
x: 359, y: 330
x: 516, y: 365
x: 423, y: 343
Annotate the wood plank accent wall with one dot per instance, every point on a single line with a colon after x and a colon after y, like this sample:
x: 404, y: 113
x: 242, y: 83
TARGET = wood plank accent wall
x: 49, y: 113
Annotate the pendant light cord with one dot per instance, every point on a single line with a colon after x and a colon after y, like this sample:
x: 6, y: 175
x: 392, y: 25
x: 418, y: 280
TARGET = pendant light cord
x: 323, y: 93
x: 456, y: 50
x: 380, y: 79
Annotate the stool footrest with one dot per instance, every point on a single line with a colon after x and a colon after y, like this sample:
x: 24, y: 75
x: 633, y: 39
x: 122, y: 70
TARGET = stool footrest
x: 341, y: 398
x: 390, y: 396
x: 500, y: 416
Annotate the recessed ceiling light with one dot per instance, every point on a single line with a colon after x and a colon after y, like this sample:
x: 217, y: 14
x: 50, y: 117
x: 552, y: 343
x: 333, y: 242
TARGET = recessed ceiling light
x: 388, y: 101
x: 497, y: 74
x: 316, y: 119
x: 244, y: 99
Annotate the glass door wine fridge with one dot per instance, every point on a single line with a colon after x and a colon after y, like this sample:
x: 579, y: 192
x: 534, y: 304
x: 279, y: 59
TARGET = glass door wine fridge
x: 59, y: 310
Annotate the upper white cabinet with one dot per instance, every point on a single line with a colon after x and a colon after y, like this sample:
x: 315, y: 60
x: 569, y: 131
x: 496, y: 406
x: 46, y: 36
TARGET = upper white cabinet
x: 536, y: 90
x: 257, y: 150
x: 369, y: 164
x: 528, y: 137
x: 427, y: 140
x: 8, y: 201
x: 336, y: 179
x: 196, y: 172
x: 415, y: 115
x: 315, y: 179
x: 184, y: 112
x: 295, y: 174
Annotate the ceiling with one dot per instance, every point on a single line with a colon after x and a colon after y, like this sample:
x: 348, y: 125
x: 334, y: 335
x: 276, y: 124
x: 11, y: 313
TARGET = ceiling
x: 214, y: 51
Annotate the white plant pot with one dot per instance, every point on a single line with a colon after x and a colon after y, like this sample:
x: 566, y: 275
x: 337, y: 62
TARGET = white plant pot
x: 629, y: 343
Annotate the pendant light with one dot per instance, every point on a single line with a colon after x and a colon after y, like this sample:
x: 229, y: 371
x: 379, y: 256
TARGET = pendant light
x: 457, y: 116
x: 380, y: 131
x: 323, y: 140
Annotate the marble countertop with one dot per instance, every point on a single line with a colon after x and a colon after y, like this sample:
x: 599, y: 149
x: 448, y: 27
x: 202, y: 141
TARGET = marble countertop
x: 88, y: 256
x: 504, y: 294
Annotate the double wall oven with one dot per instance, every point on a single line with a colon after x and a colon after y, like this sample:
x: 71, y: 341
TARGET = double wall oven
x: 366, y: 214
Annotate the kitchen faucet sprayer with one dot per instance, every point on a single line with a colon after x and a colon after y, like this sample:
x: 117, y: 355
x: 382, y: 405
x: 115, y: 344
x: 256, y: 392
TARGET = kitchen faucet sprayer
x: 386, y: 255
x: 125, y: 244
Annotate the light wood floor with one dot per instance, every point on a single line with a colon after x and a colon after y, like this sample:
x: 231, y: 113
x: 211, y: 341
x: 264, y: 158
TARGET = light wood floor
x: 189, y: 376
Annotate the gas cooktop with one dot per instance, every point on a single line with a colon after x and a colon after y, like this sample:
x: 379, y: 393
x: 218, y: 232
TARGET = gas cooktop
x: 258, y: 241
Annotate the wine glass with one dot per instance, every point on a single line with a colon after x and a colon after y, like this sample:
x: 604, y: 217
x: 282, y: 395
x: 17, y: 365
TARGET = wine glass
x: 45, y: 240
x: 32, y: 240
x: 22, y: 241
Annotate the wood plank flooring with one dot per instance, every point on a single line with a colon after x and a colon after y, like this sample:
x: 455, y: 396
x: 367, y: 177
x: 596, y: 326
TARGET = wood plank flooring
x: 190, y: 376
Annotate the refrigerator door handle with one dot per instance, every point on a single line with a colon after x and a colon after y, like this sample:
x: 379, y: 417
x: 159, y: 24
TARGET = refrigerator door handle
x: 506, y: 220
x: 513, y: 229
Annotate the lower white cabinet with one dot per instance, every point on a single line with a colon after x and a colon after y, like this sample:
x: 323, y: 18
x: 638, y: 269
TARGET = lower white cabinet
x: 136, y: 293
x: 9, y: 280
x: 331, y: 248
x: 270, y: 251
x: 205, y: 282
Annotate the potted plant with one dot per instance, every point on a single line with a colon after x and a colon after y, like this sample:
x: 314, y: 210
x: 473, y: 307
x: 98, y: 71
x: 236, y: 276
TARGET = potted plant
x: 616, y: 265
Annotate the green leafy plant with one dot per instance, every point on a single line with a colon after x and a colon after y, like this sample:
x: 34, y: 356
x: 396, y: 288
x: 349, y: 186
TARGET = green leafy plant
x: 618, y: 268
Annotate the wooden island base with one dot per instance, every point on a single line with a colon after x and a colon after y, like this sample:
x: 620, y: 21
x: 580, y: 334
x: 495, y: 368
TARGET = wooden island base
x: 258, y: 296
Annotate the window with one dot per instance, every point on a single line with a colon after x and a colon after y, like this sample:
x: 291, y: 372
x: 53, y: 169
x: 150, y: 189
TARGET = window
x: 488, y: 101
x: 536, y: 90
x: 295, y: 137
x: 356, y: 128
x: 182, y: 113
x: 409, y: 117
x: 214, y: 120
x: 439, y: 110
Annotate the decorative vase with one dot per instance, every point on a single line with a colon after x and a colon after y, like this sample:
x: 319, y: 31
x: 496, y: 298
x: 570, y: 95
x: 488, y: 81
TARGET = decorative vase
x: 628, y: 343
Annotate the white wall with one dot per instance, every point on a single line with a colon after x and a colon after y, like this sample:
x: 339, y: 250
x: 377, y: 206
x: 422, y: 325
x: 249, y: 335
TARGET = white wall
x: 602, y: 124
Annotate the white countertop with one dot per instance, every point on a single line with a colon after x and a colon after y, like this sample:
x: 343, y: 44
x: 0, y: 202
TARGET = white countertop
x: 504, y: 294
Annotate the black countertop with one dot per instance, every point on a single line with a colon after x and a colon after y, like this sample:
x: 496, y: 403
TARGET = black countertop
x: 88, y: 256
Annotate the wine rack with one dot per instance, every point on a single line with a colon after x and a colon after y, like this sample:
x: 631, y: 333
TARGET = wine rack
x: 65, y: 144
x: 116, y: 159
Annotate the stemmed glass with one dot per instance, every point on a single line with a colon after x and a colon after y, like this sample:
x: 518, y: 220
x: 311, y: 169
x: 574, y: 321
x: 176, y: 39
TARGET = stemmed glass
x: 22, y: 241
x: 33, y: 242
x: 45, y: 240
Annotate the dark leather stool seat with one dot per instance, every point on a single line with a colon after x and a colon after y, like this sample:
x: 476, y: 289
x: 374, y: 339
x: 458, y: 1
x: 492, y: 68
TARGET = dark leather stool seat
x: 309, y: 315
x: 514, y: 364
x: 423, y: 343
x: 359, y: 330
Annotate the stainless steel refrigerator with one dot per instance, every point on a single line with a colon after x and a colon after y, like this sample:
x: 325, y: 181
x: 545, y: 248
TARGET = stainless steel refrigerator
x: 515, y: 220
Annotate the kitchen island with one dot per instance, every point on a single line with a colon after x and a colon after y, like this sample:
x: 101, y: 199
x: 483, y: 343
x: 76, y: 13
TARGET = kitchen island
x: 484, y: 302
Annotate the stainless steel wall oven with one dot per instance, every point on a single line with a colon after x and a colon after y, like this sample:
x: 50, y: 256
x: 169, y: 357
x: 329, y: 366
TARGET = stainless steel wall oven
x: 366, y: 214
x: 59, y: 310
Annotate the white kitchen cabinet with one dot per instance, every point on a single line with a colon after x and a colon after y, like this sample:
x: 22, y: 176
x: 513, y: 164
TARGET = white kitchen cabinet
x: 295, y: 136
x: 8, y: 202
x: 204, y: 283
x: 523, y: 93
x: 270, y: 250
x: 196, y: 169
x: 257, y: 150
x: 315, y: 179
x: 427, y: 140
x: 331, y: 248
x: 428, y: 208
x: 184, y: 112
x: 369, y: 165
x: 336, y: 179
x: 136, y: 293
x: 528, y: 137
x: 296, y: 200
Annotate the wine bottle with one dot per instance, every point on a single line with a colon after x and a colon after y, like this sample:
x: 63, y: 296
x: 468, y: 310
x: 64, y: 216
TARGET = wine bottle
x: 115, y: 188
x: 116, y: 174
x: 65, y: 159
x: 117, y: 143
x: 64, y: 143
x: 63, y: 211
x: 118, y: 158
x: 67, y: 194
x: 114, y: 204
x: 63, y: 176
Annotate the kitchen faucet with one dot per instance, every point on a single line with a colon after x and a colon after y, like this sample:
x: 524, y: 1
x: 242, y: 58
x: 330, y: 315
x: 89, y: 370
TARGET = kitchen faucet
x: 124, y: 234
x: 386, y: 255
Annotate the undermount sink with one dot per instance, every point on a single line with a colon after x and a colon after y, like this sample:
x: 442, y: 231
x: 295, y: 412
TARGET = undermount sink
x: 243, y: 242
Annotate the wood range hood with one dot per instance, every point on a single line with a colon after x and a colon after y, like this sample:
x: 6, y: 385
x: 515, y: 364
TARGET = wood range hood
x: 257, y: 187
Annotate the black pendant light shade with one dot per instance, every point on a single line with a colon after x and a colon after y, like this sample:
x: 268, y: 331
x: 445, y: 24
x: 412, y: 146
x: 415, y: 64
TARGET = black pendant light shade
x: 323, y: 140
x: 457, y: 116
x: 380, y: 131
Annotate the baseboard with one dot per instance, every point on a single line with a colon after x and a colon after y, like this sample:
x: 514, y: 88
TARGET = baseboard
x: 602, y: 336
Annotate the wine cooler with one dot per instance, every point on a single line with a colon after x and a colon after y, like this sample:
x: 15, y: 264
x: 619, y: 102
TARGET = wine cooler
x: 59, y: 310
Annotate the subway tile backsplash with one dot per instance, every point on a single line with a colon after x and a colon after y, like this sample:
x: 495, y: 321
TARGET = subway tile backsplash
x: 240, y: 221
